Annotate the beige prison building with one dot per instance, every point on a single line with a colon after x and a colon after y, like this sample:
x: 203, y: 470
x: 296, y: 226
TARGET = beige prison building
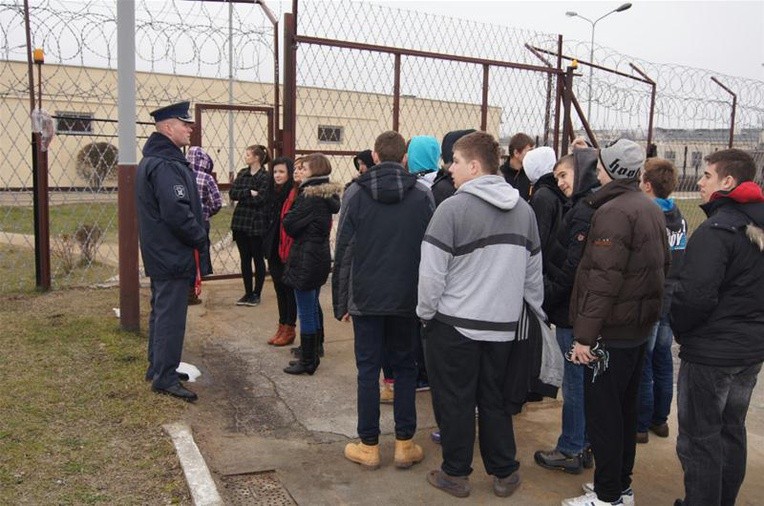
x: 83, y: 102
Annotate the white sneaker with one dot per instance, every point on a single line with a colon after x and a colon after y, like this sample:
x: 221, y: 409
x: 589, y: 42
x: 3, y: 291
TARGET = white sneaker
x: 627, y: 496
x: 589, y: 500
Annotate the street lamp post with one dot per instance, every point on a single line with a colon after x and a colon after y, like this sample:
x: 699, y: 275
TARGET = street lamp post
x: 572, y: 14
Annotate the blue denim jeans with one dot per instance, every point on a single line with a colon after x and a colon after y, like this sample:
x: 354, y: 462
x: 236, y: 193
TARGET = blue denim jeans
x: 712, y: 404
x: 391, y: 337
x: 308, y: 310
x: 657, y: 387
x: 572, y: 440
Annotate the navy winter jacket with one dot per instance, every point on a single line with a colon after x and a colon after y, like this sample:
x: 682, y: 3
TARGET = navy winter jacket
x: 169, y: 211
x: 383, y: 219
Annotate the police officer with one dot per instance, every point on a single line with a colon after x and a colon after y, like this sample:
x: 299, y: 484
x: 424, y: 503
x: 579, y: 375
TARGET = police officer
x: 171, y: 229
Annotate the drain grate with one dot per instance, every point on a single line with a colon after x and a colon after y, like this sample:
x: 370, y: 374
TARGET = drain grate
x: 257, y: 488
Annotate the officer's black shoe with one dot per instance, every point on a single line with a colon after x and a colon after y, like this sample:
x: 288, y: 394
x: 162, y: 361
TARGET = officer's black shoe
x: 182, y: 376
x: 178, y: 391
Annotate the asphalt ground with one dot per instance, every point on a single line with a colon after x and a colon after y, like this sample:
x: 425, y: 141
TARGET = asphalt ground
x: 252, y: 419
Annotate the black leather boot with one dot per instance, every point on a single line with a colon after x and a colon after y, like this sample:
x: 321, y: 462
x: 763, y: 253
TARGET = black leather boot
x: 309, y: 359
x: 320, y: 341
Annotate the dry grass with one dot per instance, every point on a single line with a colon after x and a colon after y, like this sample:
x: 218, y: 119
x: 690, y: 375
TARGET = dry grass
x: 78, y: 424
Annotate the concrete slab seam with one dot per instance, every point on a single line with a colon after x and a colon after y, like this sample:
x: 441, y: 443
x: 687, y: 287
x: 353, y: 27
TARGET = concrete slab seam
x: 198, y: 476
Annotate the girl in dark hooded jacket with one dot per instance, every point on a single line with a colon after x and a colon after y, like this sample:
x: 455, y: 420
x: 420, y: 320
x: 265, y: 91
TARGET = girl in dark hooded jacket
x: 309, y: 223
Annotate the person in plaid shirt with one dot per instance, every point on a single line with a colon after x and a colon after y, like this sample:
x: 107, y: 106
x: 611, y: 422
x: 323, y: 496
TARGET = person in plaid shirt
x: 201, y: 163
x: 252, y: 190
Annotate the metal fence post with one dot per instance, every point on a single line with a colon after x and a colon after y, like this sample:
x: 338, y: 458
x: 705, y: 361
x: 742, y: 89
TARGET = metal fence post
x: 652, y: 103
x: 734, y: 106
x: 129, y: 285
x: 397, y: 93
x: 557, y: 97
x: 566, y: 101
x: 290, y: 85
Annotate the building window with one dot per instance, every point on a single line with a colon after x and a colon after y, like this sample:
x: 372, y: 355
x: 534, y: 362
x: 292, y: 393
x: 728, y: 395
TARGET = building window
x: 328, y: 133
x: 697, y: 158
x: 74, y: 122
x: 670, y: 156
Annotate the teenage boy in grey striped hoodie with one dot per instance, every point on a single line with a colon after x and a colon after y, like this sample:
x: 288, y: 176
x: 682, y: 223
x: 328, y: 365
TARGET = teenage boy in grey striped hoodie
x: 481, y: 256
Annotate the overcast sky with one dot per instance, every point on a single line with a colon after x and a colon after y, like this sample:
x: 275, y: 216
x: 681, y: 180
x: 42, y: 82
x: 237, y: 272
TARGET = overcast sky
x: 723, y: 36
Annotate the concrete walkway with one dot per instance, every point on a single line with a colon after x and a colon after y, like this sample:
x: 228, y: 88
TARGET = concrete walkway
x: 252, y: 418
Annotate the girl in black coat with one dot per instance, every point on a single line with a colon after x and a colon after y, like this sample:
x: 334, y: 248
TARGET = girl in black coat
x: 277, y: 251
x: 309, y: 223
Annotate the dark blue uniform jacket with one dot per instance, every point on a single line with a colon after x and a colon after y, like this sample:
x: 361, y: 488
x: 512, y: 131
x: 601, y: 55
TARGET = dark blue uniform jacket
x: 169, y: 211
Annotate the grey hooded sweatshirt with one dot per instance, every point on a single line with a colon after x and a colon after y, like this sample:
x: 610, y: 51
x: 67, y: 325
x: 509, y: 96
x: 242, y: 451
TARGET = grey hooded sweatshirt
x: 481, y: 256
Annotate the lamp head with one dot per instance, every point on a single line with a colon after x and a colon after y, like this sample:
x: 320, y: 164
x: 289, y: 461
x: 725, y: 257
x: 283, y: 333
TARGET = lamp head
x: 572, y: 14
x: 623, y: 7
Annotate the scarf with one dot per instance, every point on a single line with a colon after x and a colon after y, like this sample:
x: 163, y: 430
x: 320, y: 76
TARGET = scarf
x: 285, y: 241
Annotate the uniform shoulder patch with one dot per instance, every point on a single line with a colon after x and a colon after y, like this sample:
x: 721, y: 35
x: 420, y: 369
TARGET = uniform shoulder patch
x: 180, y: 190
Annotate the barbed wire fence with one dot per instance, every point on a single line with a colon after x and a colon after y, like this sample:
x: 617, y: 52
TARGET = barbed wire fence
x: 218, y: 53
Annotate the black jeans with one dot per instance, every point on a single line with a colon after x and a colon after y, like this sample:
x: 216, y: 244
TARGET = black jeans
x: 251, y: 250
x: 284, y: 294
x: 464, y: 374
x: 611, y: 420
x: 393, y: 337
x: 712, y: 406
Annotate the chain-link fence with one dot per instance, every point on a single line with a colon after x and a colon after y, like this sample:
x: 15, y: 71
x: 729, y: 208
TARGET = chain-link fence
x: 207, y: 52
x: 360, y: 69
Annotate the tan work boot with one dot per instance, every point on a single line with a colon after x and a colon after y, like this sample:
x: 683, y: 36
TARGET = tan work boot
x: 277, y: 335
x: 407, y: 453
x: 287, y: 336
x: 386, y: 393
x: 366, y: 455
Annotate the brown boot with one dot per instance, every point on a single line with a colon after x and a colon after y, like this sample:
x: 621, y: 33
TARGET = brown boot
x: 407, y: 453
x: 277, y: 335
x: 287, y: 336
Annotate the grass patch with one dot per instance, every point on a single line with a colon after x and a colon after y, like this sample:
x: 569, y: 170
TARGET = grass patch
x: 17, y: 266
x: 692, y: 213
x: 67, y: 218
x: 64, y: 218
x: 79, y: 425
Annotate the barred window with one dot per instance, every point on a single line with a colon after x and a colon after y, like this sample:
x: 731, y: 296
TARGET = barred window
x: 697, y: 158
x: 329, y: 133
x: 74, y: 122
x: 670, y: 156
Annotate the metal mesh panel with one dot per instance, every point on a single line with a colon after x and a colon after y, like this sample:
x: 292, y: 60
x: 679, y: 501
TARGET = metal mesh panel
x: 182, y: 52
x: 188, y: 50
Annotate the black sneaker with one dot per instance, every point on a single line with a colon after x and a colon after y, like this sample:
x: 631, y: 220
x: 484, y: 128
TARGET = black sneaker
x: 555, y: 459
x: 243, y: 300
x: 252, y: 300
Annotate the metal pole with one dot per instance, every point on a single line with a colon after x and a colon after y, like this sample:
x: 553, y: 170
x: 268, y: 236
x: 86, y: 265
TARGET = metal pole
x: 231, y: 149
x: 397, y: 93
x: 39, y: 176
x: 558, y: 96
x: 129, y: 286
x: 591, y: 59
x: 652, y: 103
x: 277, y: 141
x: 734, y: 106
x: 566, y: 100
x: 290, y: 85
x: 484, y: 104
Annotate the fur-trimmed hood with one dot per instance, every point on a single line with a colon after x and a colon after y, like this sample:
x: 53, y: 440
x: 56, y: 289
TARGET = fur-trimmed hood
x: 322, y: 188
x: 756, y: 235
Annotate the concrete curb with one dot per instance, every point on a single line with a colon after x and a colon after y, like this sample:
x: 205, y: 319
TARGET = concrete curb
x: 200, y: 482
